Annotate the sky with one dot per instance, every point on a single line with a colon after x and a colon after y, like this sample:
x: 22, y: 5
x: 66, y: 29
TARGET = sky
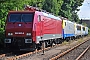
x: 84, y: 12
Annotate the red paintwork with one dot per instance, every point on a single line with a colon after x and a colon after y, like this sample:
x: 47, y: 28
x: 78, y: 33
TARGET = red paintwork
x: 52, y: 26
x: 48, y: 26
x: 13, y: 27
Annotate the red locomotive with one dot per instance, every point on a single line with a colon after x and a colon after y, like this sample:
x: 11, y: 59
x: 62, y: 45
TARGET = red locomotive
x: 26, y: 30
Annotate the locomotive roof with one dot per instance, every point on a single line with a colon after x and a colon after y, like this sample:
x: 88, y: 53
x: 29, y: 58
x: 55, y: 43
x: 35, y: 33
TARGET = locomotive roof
x: 45, y: 14
x: 51, y: 16
x: 19, y: 11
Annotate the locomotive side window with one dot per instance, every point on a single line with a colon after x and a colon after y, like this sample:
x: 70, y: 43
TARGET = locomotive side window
x: 27, y: 17
x: 78, y: 27
x: 21, y: 17
x: 39, y: 18
x: 14, y: 17
x: 83, y: 28
x: 65, y: 23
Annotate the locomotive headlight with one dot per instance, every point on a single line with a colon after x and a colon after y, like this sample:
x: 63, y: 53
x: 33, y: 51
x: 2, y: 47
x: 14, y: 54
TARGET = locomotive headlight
x: 28, y: 34
x: 28, y: 40
x: 9, y: 34
x: 7, y: 41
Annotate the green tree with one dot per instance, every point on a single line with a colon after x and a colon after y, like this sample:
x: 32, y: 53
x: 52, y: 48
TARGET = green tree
x: 52, y: 6
x: 69, y: 9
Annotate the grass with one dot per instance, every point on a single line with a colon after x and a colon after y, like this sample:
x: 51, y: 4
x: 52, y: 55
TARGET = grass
x: 80, y: 40
x: 65, y: 42
x: 69, y: 42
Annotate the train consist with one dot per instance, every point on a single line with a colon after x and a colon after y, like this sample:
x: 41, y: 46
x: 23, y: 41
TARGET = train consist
x: 27, y: 30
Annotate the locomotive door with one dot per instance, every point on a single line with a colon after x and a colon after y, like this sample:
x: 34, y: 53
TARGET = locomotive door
x: 41, y: 26
x: 40, y: 18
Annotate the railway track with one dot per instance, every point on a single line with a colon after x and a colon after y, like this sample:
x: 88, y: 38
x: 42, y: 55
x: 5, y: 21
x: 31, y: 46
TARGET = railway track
x: 6, y: 56
x: 74, y: 53
x: 12, y: 56
x: 31, y: 53
x: 83, y: 53
x: 86, y: 55
x: 35, y: 53
x: 2, y: 55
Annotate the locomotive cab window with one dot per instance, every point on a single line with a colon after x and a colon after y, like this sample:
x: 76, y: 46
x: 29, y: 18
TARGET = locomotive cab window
x: 27, y: 17
x: 39, y: 18
x: 21, y: 17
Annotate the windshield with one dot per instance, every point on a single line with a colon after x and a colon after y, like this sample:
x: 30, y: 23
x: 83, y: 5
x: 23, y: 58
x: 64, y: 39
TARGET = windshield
x: 21, y: 17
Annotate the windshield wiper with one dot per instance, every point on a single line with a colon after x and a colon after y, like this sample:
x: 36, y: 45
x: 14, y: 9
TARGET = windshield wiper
x: 23, y: 19
x: 19, y: 18
x: 14, y: 22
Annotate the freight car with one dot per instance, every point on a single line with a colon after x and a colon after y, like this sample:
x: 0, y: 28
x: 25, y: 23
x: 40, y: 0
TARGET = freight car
x: 27, y: 30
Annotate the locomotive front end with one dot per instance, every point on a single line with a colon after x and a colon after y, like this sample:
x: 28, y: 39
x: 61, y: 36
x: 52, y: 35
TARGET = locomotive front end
x: 18, y: 31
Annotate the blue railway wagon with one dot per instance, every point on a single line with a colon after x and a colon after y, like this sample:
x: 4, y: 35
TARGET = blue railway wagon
x: 68, y: 29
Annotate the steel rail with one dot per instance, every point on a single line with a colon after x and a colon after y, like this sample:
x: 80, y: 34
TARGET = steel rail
x: 2, y: 55
x: 30, y: 53
x: 83, y: 53
x: 67, y: 51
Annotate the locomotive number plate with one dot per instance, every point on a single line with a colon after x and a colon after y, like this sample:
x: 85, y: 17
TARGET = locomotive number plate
x: 19, y: 32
